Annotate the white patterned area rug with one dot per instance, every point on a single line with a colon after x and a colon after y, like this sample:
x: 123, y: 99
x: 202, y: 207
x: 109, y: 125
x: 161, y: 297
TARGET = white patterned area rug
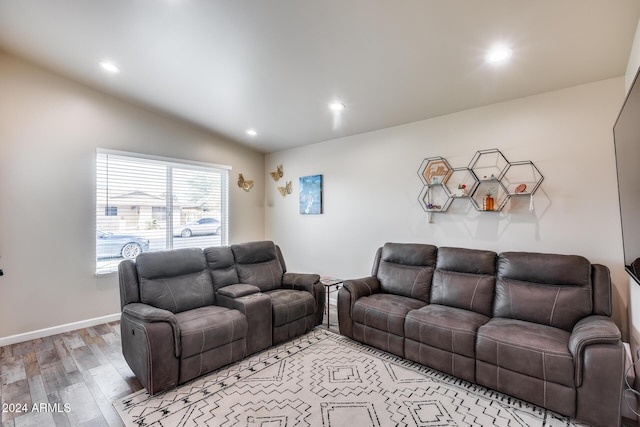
x: 324, y: 379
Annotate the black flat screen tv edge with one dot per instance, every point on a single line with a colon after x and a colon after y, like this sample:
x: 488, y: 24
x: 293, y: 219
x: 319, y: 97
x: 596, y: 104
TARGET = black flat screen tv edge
x: 626, y: 136
x: 633, y: 275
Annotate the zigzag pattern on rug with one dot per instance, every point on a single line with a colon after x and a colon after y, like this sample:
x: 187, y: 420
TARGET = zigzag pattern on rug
x: 324, y: 379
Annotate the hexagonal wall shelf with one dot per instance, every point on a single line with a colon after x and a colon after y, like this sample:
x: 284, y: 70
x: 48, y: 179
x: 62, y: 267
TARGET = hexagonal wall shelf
x: 492, y: 188
x: 461, y: 183
x: 434, y: 198
x: 488, y: 173
x: 522, y: 178
x: 434, y: 171
x: 489, y: 164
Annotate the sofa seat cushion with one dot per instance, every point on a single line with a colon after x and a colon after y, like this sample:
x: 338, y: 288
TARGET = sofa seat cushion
x: 538, y: 351
x: 385, y: 312
x: 206, y: 328
x: 447, y: 328
x: 289, y: 305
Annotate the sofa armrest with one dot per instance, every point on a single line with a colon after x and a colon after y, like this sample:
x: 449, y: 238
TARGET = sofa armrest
x: 238, y: 290
x: 362, y: 287
x: 589, y: 331
x: 593, y: 330
x: 300, y: 281
x: 350, y: 292
x: 148, y: 314
x: 598, y: 355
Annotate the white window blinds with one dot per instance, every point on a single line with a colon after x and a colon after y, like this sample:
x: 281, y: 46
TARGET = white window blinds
x: 146, y: 203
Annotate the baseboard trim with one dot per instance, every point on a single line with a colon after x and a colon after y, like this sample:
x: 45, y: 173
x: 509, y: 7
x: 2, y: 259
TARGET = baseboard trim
x: 54, y: 330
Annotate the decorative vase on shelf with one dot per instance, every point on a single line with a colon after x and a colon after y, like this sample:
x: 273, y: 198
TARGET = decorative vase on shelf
x: 488, y: 203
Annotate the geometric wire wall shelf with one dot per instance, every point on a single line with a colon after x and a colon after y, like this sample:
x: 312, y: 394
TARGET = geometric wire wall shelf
x: 489, y: 164
x: 489, y: 174
x: 522, y: 178
x: 434, y: 171
x: 489, y: 188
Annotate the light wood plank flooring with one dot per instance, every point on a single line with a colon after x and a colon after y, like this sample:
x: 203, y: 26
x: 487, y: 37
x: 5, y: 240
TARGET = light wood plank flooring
x: 82, y: 369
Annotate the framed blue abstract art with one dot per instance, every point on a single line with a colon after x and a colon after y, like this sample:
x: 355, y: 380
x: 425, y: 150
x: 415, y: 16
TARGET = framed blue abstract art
x: 311, y: 194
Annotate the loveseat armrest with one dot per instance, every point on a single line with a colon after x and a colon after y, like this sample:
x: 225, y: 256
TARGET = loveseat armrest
x: 309, y: 283
x: 300, y: 281
x: 151, y: 345
x: 238, y: 290
x: 598, y: 354
x: 149, y: 314
x: 350, y: 292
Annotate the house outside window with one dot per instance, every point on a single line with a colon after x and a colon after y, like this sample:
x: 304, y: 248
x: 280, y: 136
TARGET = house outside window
x: 158, y: 213
x: 146, y: 203
x: 110, y: 211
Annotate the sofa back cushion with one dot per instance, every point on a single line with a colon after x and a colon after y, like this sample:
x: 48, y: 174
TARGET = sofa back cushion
x: 549, y: 289
x: 257, y: 263
x: 465, y: 278
x: 221, y: 266
x: 175, y: 280
x: 406, y: 269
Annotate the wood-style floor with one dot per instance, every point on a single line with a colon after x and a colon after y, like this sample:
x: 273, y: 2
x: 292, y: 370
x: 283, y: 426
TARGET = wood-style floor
x: 83, y: 369
x: 71, y: 378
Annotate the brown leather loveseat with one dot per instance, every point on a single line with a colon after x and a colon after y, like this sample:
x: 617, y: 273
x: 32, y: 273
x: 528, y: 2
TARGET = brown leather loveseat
x: 535, y: 326
x: 187, y: 312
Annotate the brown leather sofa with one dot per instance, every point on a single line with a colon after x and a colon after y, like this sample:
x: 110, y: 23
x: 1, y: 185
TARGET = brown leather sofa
x: 187, y: 312
x: 531, y: 325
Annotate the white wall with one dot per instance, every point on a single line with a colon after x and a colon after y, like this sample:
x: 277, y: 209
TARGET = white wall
x: 50, y: 128
x: 634, y: 60
x: 371, y: 186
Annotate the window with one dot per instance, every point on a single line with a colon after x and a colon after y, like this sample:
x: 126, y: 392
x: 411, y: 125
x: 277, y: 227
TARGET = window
x: 159, y: 213
x: 146, y: 203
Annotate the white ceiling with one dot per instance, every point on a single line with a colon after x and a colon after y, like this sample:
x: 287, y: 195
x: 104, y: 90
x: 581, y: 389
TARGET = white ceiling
x: 274, y: 65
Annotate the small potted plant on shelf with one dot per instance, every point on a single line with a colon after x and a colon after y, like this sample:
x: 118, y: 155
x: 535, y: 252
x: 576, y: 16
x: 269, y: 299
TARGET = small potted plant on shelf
x: 461, y: 191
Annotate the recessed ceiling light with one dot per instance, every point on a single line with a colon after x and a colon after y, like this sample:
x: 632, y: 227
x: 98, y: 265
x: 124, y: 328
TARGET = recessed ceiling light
x: 498, y: 54
x: 110, y: 67
x: 252, y: 132
x: 337, y: 106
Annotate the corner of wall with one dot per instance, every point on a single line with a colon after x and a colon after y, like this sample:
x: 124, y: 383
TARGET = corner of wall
x: 634, y: 61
